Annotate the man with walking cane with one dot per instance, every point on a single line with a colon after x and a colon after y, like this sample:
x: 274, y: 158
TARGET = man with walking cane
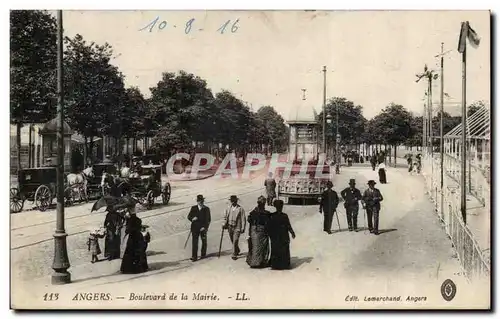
x: 328, y: 205
x: 234, y: 222
x: 371, y: 201
x: 199, y: 216
x: 351, y: 196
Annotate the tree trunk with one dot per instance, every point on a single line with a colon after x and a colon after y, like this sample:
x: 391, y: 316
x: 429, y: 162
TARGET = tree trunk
x: 18, y: 144
x: 85, y: 152
x: 91, y: 148
x: 395, y: 148
x: 30, y: 157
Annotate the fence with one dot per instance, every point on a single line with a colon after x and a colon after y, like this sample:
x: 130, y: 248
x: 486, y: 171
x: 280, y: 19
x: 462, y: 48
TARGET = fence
x: 472, y: 260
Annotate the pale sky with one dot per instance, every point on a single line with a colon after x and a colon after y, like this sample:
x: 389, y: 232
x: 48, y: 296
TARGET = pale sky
x: 372, y: 56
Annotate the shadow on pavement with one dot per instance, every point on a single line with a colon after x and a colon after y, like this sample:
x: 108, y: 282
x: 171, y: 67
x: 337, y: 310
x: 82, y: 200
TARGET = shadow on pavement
x: 216, y: 254
x: 296, y: 262
x: 154, y: 253
x: 382, y: 231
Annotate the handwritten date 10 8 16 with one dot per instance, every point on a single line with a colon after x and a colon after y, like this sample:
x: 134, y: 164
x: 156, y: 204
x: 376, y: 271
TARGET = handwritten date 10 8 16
x: 190, y: 24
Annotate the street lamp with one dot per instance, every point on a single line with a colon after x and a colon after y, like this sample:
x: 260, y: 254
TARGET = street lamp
x: 61, y: 261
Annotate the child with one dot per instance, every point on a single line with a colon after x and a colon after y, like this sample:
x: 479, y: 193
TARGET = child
x: 146, y: 236
x: 93, y: 244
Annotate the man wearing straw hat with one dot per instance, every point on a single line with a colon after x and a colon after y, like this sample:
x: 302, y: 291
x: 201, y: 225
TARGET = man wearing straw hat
x: 199, y: 216
x: 234, y: 222
x: 371, y: 201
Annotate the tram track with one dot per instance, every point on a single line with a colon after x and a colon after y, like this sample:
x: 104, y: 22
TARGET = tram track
x: 145, y: 214
x: 88, y: 204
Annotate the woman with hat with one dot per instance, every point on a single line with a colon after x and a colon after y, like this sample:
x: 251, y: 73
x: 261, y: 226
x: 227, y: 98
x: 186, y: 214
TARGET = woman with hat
x: 234, y: 222
x: 279, y: 227
x: 134, y: 259
x: 258, y: 240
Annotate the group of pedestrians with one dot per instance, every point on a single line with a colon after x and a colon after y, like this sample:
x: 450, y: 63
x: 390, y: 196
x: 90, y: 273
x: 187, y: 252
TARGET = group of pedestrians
x: 370, y: 201
x: 268, y: 233
x: 134, y: 259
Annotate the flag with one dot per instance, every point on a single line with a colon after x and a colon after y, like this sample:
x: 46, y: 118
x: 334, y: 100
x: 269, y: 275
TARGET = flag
x: 473, y: 37
x: 466, y: 32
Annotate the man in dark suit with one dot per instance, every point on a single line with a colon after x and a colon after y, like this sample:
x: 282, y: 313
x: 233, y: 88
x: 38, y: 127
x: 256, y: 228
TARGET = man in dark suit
x: 199, y: 216
x: 351, y: 196
x: 371, y: 201
x: 328, y: 206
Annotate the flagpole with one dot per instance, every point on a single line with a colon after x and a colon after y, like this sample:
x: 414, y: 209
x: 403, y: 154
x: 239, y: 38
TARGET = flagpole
x: 324, y: 109
x: 463, y: 207
x: 441, y: 133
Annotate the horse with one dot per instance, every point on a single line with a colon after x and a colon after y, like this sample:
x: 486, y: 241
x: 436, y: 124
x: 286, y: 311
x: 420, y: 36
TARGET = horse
x: 80, y: 179
x: 117, y: 185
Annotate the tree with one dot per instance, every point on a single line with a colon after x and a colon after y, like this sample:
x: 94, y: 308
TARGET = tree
x: 351, y: 121
x: 185, y: 104
x: 392, y: 126
x: 234, y: 120
x: 94, y: 89
x: 474, y: 107
x: 134, y: 111
x: 32, y: 69
x: 275, y: 126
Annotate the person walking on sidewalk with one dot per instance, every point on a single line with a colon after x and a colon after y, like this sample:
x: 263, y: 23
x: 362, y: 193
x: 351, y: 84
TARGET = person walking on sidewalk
x: 328, y: 205
x: 93, y: 244
x: 351, y: 196
x: 234, y: 222
x: 270, y: 184
x: 371, y: 202
x: 200, y: 219
x: 279, y: 228
x: 258, y: 237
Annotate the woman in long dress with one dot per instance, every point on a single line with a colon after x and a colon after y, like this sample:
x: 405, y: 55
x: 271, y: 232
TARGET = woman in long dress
x: 258, y: 239
x: 134, y: 259
x: 113, y: 225
x: 381, y: 173
x: 279, y: 227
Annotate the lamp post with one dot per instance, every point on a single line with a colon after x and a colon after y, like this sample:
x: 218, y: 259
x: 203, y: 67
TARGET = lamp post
x: 336, y: 153
x: 61, y: 260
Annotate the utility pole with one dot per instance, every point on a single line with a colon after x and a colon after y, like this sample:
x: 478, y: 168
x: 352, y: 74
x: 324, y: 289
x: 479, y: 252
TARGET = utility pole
x: 463, y: 202
x: 441, y: 133
x: 61, y: 260
x: 324, y: 109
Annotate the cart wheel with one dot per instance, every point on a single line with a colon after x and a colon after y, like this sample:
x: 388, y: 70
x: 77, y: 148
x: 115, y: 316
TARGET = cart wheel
x: 16, y: 202
x: 150, y: 199
x: 42, y: 197
x: 68, y: 196
x: 165, y: 195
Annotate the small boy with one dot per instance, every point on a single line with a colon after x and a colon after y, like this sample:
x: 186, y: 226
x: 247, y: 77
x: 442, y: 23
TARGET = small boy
x: 93, y: 244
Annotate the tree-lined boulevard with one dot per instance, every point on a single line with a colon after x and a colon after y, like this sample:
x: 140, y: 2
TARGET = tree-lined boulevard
x: 404, y: 262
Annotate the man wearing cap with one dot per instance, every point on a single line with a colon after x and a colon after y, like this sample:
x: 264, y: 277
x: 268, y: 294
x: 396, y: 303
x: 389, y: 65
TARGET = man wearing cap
x: 234, y: 222
x: 328, y: 205
x: 371, y: 201
x: 199, y: 216
x: 351, y: 196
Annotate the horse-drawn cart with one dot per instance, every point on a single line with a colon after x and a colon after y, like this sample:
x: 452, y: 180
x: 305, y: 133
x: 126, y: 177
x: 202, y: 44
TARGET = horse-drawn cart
x: 148, y: 186
x: 37, y: 185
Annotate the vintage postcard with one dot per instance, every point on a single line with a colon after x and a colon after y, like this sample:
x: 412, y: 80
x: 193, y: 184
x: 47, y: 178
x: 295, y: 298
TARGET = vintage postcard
x: 250, y: 159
